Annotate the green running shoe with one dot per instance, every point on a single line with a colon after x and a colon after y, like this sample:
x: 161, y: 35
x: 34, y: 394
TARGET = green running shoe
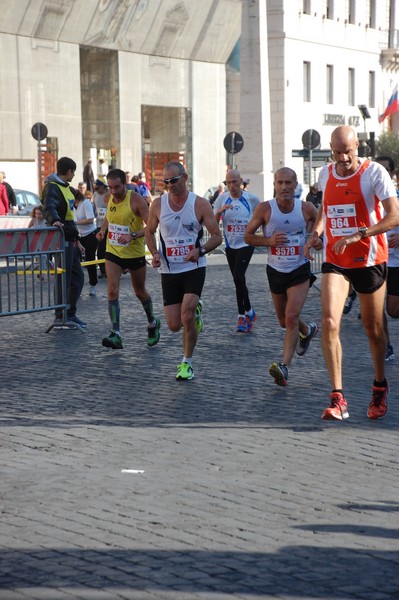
x: 114, y: 341
x: 153, y: 333
x: 198, y: 316
x: 184, y: 372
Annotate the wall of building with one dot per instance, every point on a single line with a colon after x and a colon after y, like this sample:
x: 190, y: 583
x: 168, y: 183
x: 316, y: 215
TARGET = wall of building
x: 172, y: 83
x: 41, y: 83
x: 208, y: 96
x: 295, y: 37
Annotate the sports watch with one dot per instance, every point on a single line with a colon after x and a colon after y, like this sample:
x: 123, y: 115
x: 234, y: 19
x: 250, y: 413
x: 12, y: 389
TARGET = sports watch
x: 363, y: 232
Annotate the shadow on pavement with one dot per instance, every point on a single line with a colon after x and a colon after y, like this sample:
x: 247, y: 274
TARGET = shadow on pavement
x: 298, y: 571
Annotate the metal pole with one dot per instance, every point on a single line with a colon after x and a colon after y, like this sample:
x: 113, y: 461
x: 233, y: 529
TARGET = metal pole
x: 39, y: 162
x: 233, y: 137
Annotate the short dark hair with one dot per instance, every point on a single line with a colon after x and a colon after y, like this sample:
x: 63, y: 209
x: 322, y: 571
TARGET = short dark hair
x: 65, y: 164
x: 117, y: 174
x: 387, y: 159
x: 176, y: 164
x: 78, y: 195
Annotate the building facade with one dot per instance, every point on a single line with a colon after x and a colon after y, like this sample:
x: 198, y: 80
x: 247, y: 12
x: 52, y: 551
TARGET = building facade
x: 136, y: 82
x: 324, y: 59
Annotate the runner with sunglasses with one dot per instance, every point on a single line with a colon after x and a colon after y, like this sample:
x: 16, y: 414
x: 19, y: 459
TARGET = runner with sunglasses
x: 180, y: 215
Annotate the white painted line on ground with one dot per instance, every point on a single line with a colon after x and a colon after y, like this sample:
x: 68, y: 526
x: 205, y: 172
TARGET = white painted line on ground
x: 134, y: 471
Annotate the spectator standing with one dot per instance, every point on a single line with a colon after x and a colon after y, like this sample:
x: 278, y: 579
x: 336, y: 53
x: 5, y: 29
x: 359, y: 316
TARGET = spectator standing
x: 144, y: 188
x: 130, y: 183
x: 299, y: 193
x: 218, y: 192
x: 4, y: 206
x: 100, y: 197
x: 103, y: 169
x: 37, y: 221
x: 314, y: 196
x: 58, y: 204
x: 85, y: 221
x: 12, y: 199
x: 82, y: 187
x: 88, y: 175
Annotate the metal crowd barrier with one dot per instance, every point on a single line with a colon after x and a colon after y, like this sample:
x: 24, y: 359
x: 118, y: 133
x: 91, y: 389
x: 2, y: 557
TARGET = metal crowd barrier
x: 27, y: 262
x: 317, y: 261
x: 206, y: 236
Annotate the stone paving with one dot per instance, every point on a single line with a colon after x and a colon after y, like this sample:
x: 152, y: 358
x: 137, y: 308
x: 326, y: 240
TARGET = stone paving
x: 117, y: 482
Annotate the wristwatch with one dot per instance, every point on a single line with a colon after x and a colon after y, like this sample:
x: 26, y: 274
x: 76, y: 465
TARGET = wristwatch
x: 202, y: 251
x: 363, y: 231
x: 134, y: 234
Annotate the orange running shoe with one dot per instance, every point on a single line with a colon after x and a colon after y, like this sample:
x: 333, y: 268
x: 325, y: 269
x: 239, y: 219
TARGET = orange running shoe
x: 338, y: 408
x: 378, y: 406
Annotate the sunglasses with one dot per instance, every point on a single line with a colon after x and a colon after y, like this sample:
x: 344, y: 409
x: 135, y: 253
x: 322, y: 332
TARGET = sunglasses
x: 172, y: 180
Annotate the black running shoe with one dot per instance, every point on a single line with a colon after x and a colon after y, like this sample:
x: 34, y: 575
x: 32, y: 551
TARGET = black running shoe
x: 279, y: 372
x: 304, y: 342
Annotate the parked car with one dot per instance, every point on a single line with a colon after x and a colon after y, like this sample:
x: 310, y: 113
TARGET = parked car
x: 26, y: 201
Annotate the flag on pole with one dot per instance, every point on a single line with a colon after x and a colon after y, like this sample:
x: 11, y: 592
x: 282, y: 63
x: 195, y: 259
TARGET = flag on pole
x: 393, y: 105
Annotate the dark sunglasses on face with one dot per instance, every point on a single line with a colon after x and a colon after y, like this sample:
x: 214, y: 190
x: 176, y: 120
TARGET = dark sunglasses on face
x: 172, y: 180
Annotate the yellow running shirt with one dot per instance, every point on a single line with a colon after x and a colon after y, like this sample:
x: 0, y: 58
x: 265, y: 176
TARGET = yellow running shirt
x: 122, y: 220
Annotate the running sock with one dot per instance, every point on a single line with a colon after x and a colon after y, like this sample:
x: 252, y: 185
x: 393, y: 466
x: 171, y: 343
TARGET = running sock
x: 147, y: 305
x: 114, y: 314
x: 380, y: 384
x: 250, y: 312
x: 339, y: 391
x: 303, y: 336
x: 188, y: 360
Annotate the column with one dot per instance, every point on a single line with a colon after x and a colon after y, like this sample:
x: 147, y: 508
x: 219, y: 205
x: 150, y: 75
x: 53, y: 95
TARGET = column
x: 255, y: 160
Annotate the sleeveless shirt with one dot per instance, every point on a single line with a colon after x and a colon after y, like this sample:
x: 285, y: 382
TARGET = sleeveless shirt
x: 352, y: 202
x: 179, y: 233
x: 122, y: 220
x: 288, y: 256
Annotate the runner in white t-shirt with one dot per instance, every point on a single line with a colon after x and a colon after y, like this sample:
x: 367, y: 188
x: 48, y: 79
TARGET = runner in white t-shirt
x: 235, y: 207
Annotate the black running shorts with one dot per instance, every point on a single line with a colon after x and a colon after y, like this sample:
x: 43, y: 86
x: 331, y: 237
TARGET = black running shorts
x: 175, y: 286
x: 132, y: 264
x: 279, y: 281
x: 364, y: 280
x: 393, y: 281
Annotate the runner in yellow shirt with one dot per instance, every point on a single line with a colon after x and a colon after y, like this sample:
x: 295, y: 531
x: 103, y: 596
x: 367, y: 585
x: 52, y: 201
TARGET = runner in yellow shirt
x: 127, y: 214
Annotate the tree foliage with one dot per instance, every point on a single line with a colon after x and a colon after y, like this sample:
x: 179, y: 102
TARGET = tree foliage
x: 388, y: 144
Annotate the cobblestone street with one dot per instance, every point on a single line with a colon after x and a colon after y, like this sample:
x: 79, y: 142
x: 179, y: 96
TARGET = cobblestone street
x: 117, y: 482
